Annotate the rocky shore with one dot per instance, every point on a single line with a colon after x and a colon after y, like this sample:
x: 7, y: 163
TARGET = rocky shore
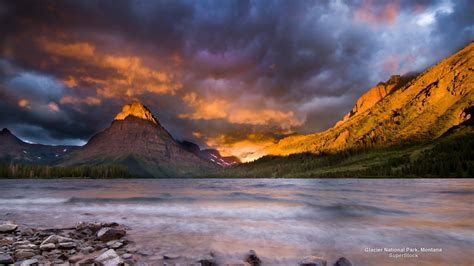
x: 90, y: 243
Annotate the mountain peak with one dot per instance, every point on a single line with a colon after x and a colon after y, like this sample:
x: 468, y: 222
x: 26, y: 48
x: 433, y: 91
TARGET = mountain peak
x: 136, y: 109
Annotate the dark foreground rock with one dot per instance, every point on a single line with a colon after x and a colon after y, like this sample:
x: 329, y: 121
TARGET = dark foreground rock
x: 343, y: 262
x: 253, y: 259
x: 313, y: 261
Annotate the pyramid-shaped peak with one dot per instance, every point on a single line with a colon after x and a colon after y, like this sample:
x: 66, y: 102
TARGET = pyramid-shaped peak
x: 136, y: 109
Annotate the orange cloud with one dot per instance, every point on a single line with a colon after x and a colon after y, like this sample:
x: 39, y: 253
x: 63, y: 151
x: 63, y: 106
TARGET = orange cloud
x: 131, y: 77
x: 368, y: 12
x: 68, y: 99
x: 23, y: 103
x: 75, y: 50
x: 245, y: 149
x: 235, y: 113
x: 53, y: 107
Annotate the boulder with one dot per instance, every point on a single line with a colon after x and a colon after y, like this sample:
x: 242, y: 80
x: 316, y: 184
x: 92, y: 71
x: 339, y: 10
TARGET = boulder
x: 108, y: 258
x: 8, y: 228
x: 252, y: 258
x: 313, y: 261
x: 5, y: 259
x: 107, y: 234
x: 343, y: 262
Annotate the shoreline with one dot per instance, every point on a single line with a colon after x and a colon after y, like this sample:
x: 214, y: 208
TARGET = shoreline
x: 94, y: 243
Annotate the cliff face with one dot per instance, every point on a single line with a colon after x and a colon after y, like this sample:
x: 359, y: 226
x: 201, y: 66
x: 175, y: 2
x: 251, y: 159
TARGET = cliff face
x: 137, y: 140
x: 401, y: 110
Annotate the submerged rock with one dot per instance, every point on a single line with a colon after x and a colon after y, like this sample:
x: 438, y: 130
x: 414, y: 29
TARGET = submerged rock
x: 343, y: 262
x: 313, y: 261
x: 107, y: 234
x: 252, y: 258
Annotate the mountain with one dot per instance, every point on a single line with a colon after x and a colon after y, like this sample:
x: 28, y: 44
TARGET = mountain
x: 400, y: 111
x: 13, y: 149
x: 137, y: 140
x: 211, y: 155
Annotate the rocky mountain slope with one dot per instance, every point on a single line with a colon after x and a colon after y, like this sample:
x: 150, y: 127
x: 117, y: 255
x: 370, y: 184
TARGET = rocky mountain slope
x: 211, y: 155
x: 136, y: 139
x: 401, y: 110
x: 13, y: 149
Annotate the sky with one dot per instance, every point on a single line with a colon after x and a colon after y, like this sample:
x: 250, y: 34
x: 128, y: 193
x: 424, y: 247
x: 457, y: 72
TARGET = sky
x: 232, y: 75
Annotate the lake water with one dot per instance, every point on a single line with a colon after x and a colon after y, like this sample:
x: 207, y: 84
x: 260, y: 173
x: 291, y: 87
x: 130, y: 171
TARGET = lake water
x: 282, y: 220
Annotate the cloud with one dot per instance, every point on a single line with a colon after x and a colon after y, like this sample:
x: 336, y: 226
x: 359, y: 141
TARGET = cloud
x: 236, y: 114
x: 239, y: 73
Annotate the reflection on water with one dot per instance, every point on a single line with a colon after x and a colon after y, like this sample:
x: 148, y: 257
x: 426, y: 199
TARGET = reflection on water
x: 283, y: 220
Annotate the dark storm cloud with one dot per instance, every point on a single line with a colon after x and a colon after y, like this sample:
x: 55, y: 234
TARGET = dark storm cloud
x: 205, y: 67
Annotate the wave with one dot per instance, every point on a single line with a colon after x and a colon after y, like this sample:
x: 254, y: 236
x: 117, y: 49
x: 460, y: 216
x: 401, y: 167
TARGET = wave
x: 130, y: 199
x: 30, y: 201
x: 359, y: 210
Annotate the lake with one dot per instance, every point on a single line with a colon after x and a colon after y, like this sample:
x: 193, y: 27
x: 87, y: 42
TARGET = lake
x: 283, y: 220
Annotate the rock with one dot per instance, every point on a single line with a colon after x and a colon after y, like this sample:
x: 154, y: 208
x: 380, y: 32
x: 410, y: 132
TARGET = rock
x: 27, y: 246
x: 313, y: 261
x: 29, y: 262
x: 56, y: 239
x: 23, y: 254
x: 27, y: 231
x: 67, y: 245
x: 108, y: 258
x: 88, y: 226
x: 343, y: 262
x: 48, y: 246
x: 145, y: 252
x: 6, y: 241
x: 114, y: 244
x: 8, y: 228
x: 207, y: 262
x: 252, y: 258
x: 127, y: 256
x: 107, y: 233
x: 76, y: 258
x: 87, y: 250
x: 5, y: 259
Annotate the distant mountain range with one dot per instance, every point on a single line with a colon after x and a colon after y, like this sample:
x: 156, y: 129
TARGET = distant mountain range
x: 135, y: 139
x: 411, y: 125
